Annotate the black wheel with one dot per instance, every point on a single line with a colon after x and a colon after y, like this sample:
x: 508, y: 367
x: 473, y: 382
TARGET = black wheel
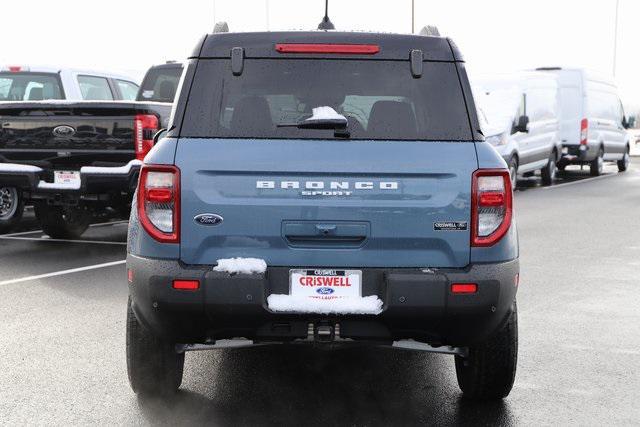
x: 513, y: 171
x: 623, y: 164
x: 549, y: 172
x: 490, y: 368
x: 62, y: 222
x: 11, y: 208
x: 596, y: 167
x: 153, y: 366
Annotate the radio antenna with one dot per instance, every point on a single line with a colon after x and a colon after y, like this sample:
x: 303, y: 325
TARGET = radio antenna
x: 326, y: 23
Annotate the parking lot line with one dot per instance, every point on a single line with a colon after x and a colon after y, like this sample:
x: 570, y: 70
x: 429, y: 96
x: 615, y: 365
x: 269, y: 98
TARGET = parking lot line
x: 580, y: 181
x: 101, y: 224
x: 62, y: 272
x: 41, y: 239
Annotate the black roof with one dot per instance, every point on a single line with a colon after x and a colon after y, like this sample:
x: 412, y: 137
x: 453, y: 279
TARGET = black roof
x: 262, y: 45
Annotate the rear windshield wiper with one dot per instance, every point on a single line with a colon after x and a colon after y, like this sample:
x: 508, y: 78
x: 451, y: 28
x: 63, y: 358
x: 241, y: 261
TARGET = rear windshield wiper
x: 323, y: 118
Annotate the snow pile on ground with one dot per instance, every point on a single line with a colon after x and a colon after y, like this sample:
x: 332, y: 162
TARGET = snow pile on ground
x: 304, y: 304
x: 325, y: 113
x: 241, y: 265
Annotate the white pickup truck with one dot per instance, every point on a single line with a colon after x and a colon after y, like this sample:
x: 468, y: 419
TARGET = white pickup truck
x: 21, y: 83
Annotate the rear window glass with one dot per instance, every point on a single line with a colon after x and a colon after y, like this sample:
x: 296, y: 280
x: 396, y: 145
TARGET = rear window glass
x: 30, y: 86
x: 160, y: 84
x: 380, y: 99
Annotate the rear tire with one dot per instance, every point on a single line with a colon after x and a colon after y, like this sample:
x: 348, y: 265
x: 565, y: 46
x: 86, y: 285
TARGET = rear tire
x: 596, y: 166
x: 62, y: 222
x: 153, y: 366
x: 623, y: 164
x: 11, y: 208
x: 549, y: 172
x: 490, y: 368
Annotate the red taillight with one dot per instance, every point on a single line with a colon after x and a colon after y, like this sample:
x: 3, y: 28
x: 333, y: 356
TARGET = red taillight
x: 15, y: 68
x: 464, y: 288
x: 130, y: 275
x: 584, y: 131
x: 159, y: 202
x: 144, y: 127
x: 345, y: 49
x: 186, y: 285
x: 491, y: 206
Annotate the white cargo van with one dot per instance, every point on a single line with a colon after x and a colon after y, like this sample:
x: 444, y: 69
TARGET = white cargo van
x: 592, y: 121
x: 518, y: 114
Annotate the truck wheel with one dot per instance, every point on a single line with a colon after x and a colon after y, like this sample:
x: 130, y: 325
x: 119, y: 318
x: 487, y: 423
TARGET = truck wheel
x: 11, y: 208
x: 62, y: 222
x: 490, y: 368
x: 549, y: 172
x: 623, y: 164
x: 153, y: 366
x: 597, y: 165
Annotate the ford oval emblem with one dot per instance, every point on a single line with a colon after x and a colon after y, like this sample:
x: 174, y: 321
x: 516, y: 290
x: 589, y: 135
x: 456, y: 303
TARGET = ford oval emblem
x: 325, y: 291
x: 208, y: 219
x: 63, y: 131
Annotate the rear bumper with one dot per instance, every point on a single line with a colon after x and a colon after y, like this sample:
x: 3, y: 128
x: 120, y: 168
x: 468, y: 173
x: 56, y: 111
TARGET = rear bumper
x: 577, y: 154
x: 417, y: 304
x: 93, y: 180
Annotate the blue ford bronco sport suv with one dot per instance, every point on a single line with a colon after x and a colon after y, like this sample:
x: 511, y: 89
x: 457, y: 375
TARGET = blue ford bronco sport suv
x: 324, y: 187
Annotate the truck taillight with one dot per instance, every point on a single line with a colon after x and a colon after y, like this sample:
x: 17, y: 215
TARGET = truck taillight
x: 144, y: 127
x: 491, y: 206
x: 159, y: 202
x: 584, y: 131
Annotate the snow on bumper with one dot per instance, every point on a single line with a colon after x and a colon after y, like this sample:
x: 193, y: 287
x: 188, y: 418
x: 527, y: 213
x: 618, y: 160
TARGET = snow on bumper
x: 92, y: 178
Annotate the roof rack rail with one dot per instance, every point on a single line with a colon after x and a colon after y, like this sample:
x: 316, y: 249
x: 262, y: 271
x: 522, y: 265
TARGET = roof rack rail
x: 548, y: 68
x: 430, y: 30
x: 221, y: 27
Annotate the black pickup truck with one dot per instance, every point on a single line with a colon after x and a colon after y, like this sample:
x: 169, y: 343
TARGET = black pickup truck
x: 72, y: 160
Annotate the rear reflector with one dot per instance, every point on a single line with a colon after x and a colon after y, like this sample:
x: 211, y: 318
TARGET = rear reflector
x: 344, y: 49
x: 464, y: 288
x: 186, y: 285
x: 130, y: 275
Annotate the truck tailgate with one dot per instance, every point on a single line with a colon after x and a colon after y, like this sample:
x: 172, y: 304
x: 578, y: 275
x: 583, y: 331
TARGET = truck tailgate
x: 327, y: 203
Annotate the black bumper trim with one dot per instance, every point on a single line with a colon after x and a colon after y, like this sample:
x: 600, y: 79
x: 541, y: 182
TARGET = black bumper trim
x: 417, y: 304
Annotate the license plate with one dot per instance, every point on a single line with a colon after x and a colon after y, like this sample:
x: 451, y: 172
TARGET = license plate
x: 70, y: 178
x: 325, y: 283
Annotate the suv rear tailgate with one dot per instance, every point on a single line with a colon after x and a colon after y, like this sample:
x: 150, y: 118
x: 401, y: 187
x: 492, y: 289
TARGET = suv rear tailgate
x: 327, y: 203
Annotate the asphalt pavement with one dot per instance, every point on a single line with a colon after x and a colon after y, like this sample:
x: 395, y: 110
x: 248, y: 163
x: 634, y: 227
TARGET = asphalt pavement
x: 62, y: 344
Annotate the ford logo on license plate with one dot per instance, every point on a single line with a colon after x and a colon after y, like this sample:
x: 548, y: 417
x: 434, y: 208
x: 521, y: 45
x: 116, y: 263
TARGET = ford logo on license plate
x: 325, y: 291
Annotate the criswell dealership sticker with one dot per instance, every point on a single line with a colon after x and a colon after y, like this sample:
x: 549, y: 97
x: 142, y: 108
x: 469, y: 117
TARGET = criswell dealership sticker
x: 450, y: 226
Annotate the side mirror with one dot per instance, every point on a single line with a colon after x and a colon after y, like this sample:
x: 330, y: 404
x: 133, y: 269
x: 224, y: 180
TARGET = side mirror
x: 522, y: 124
x: 159, y: 135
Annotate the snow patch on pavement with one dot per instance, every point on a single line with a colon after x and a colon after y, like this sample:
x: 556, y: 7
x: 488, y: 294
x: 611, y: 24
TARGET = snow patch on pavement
x: 241, y: 265
x: 304, y: 304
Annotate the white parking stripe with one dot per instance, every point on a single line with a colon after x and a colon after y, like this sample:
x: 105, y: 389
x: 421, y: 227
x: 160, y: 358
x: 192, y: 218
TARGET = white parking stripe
x: 62, y: 272
x: 580, y: 181
x: 101, y: 224
x: 42, y: 239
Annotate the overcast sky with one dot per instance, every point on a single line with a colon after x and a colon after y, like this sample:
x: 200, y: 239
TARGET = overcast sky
x: 494, y: 35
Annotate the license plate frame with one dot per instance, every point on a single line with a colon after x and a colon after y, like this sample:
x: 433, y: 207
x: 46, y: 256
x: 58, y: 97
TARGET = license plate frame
x: 67, y: 178
x: 338, y: 283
